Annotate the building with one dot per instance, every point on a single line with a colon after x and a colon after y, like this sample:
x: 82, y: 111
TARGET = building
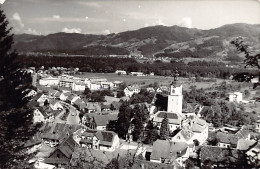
x: 174, y: 120
x: 64, y: 96
x: 120, y: 72
x: 98, y: 121
x: 80, y: 104
x: 235, y: 97
x: 41, y: 98
x: 99, y: 140
x: 165, y: 151
x: 175, y: 100
x: 43, y: 115
x: 226, y: 140
x: 220, y: 157
x: 196, y: 129
x: 56, y: 105
x: 64, y: 150
x: 93, y: 107
x: 137, y: 73
x: 78, y: 86
x: 117, y: 84
x: 49, y: 81
x: 130, y: 90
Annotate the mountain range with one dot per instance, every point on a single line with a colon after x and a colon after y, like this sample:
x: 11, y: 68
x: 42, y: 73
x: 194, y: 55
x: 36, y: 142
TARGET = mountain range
x: 155, y: 41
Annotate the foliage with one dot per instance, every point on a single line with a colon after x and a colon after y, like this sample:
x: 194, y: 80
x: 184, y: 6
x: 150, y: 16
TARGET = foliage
x: 164, y: 130
x: 152, y: 133
x: 124, y: 116
x: 107, y: 65
x: 252, y: 59
x: 15, y: 119
x: 142, y: 97
x: 141, y: 116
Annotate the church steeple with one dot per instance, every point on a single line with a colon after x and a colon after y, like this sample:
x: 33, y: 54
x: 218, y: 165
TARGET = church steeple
x: 176, y: 75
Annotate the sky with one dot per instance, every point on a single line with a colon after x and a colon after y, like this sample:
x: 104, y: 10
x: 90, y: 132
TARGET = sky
x: 106, y: 16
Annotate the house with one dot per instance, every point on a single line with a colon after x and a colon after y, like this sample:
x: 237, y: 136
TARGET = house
x: 137, y: 73
x: 196, y: 129
x: 105, y: 107
x: 33, y: 144
x: 56, y: 105
x: 115, y: 105
x: 78, y: 86
x: 98, y: 121
x: 243, y: 132
x: 162, y: 89
x: 106, y: 85
x: 64, y: 96
x: 174, y: 120
x: 165, y: 151
x: 52, y: 92
x: 245, y: 145
x: 56, y: 133
x: 221, y: 157
x: 93, y: 107
x: 41, y: 98
x: 235, y: 97
x: 80, y: 104
x: 150, y: 89
x: 130, y: 90
x: 226, y: 140
x: 110, y: 99
x: 49, y: 81
x: 257, y: 126
x: 253, y: 155
x: 99, y: 140
x: 117, y: 84
x: 30, y: 93
x: 72, y: 98
x: 120, y: 72
x: 64, y: 150
x: 57, y: 95
x: 42, y: 115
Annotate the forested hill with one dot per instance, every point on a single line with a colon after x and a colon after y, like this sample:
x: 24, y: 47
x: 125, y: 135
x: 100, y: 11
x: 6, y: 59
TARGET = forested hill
x: 155, y: 41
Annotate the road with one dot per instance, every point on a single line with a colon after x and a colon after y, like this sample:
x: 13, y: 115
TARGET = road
x: 73, y: 117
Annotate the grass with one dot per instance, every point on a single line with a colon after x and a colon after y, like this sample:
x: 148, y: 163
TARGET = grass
x: 146, y: 80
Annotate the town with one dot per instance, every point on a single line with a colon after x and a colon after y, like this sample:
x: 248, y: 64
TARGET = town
x: 90, y: 84
x: 102, y: 118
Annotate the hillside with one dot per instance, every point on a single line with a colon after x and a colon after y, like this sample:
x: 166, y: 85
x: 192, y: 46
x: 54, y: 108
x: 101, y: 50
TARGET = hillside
x: 156, y: 41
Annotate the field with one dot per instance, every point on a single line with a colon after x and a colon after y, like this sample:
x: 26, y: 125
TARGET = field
x: 146, y: 80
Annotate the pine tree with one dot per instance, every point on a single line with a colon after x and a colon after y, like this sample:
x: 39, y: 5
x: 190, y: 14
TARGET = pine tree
x: 15, y: 119
x: 164, y: 130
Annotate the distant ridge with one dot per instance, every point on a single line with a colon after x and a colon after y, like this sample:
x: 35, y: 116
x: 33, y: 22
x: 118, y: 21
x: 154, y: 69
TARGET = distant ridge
x: 173, y: 41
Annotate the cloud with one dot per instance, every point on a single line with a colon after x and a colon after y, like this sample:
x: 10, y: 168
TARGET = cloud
x: 89, y: 4
x: 16, y: 17
x: 106, y: 32
x: 2, y: 1
x: 56, y: 16
x: 159, y: 22
x: 68, y: 19
x: 186, y: 22
x: 32, y: 31
x: 72, y: 30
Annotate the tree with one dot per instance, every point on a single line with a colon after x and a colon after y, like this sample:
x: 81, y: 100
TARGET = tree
x: 124, y: 117
x: 87, y: 92
x: 15, y: 119
x: 141, y: 116
x: 164, y: 130
x: 251, y: 58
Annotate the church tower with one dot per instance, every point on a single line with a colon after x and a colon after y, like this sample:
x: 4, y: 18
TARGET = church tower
x: 175, y: 100
x: 175, y: 97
